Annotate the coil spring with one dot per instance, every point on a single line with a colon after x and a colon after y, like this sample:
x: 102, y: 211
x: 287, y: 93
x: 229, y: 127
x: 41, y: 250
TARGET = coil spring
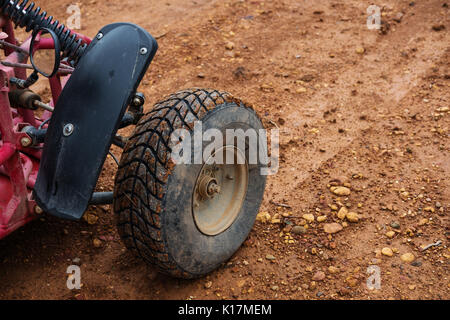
x: 32, y: 18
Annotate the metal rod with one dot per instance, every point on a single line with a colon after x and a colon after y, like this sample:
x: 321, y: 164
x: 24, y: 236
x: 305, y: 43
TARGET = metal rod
x: 3, y: 43
x: 101, y: 198
x: 62, y: 70
x: 44, y: 106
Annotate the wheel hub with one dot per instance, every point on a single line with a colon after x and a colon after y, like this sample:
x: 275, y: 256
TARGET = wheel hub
x: 220, y: 192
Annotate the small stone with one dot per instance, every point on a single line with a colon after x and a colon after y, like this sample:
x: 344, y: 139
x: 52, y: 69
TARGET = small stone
x: 341, y: 191
x: 412, y: 287
x: 91, y: 218
x: 76, y: 261
x: 97, y: 243
x: 408, y: 257
x: 423, y: 222
x: 390, y: 234
x: 332, y: 228
x: 201, y: 76
x: 438, y: 27
x: 263, y: 217
x: 229, y: 46
x: 319, y: 276
x: 360, y: 50
x: 352, y: 217
x: 395, y: 225
x: 398, y: 17
x: 321, y: 218
x: 428, y: 209
x: 416, y: 264
x: 270, y: 257
x: 309, y: 217
x: 342, y: 213
x: 387, y: 252
x: 333, y: 270
x: 352, y: 282
x: 275, y: 288
x: 208, y: 285
x: 298, y: 230
x: 301, y: 90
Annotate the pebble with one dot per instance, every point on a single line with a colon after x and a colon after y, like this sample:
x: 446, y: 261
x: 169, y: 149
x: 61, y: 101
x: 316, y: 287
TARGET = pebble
x: 341, y: 191
x: 423, y: 222
x: 387, y: 252
x: 270, y: 257
x: 398, y: 17
x: 438, y: 27
x: 208, y: 285
x: 352, y: 282
x: 408, y: 257
x: 91, y: 219
x: 309, y: 217
x: 97, y: 243
x: 319, y: 276
x: 76, y: 261
x: 298, y: 230
x: 390, y: 234
x: 416, y: 264
x: 395, y: 225
x: 263, y: 217
x: 360, y: 50
x: 275, y: 288
x: 229, y: 46
x: 333, y: 270
x: 321, y: 218
x: 332, y: 228
x: 352, y: 217
x: 342, y: 213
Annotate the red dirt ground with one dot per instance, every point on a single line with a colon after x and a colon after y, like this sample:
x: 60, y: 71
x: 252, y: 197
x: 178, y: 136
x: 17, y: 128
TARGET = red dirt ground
x: 358, y: 107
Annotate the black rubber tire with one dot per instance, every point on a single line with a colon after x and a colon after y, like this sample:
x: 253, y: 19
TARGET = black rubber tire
x: 153, y: 196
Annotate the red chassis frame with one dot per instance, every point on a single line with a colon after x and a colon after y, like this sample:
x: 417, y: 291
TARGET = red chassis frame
x: 19, y: 166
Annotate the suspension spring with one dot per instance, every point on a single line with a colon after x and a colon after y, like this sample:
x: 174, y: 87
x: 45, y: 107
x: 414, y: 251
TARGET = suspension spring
x: 32, y: 18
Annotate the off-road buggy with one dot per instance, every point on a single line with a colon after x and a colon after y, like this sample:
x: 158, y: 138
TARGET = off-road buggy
x: 186, y: 219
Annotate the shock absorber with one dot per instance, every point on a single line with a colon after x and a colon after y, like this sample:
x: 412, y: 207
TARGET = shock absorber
x: 31, y: 18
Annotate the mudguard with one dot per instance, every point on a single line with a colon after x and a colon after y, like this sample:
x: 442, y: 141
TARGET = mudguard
x: 92, y: 103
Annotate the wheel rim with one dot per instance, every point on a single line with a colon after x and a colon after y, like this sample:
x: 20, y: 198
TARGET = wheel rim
x: 220, y: 192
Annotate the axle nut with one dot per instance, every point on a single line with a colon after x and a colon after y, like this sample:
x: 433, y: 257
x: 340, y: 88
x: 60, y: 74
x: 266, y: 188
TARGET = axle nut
x: 38, y: 210
x: 26, y: 141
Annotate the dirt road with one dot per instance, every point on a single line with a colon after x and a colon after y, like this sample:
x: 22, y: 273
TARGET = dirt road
x: 359, y: 108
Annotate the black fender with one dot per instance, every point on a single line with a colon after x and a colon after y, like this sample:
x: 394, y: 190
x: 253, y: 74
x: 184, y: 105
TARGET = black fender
x: 87, y: 116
